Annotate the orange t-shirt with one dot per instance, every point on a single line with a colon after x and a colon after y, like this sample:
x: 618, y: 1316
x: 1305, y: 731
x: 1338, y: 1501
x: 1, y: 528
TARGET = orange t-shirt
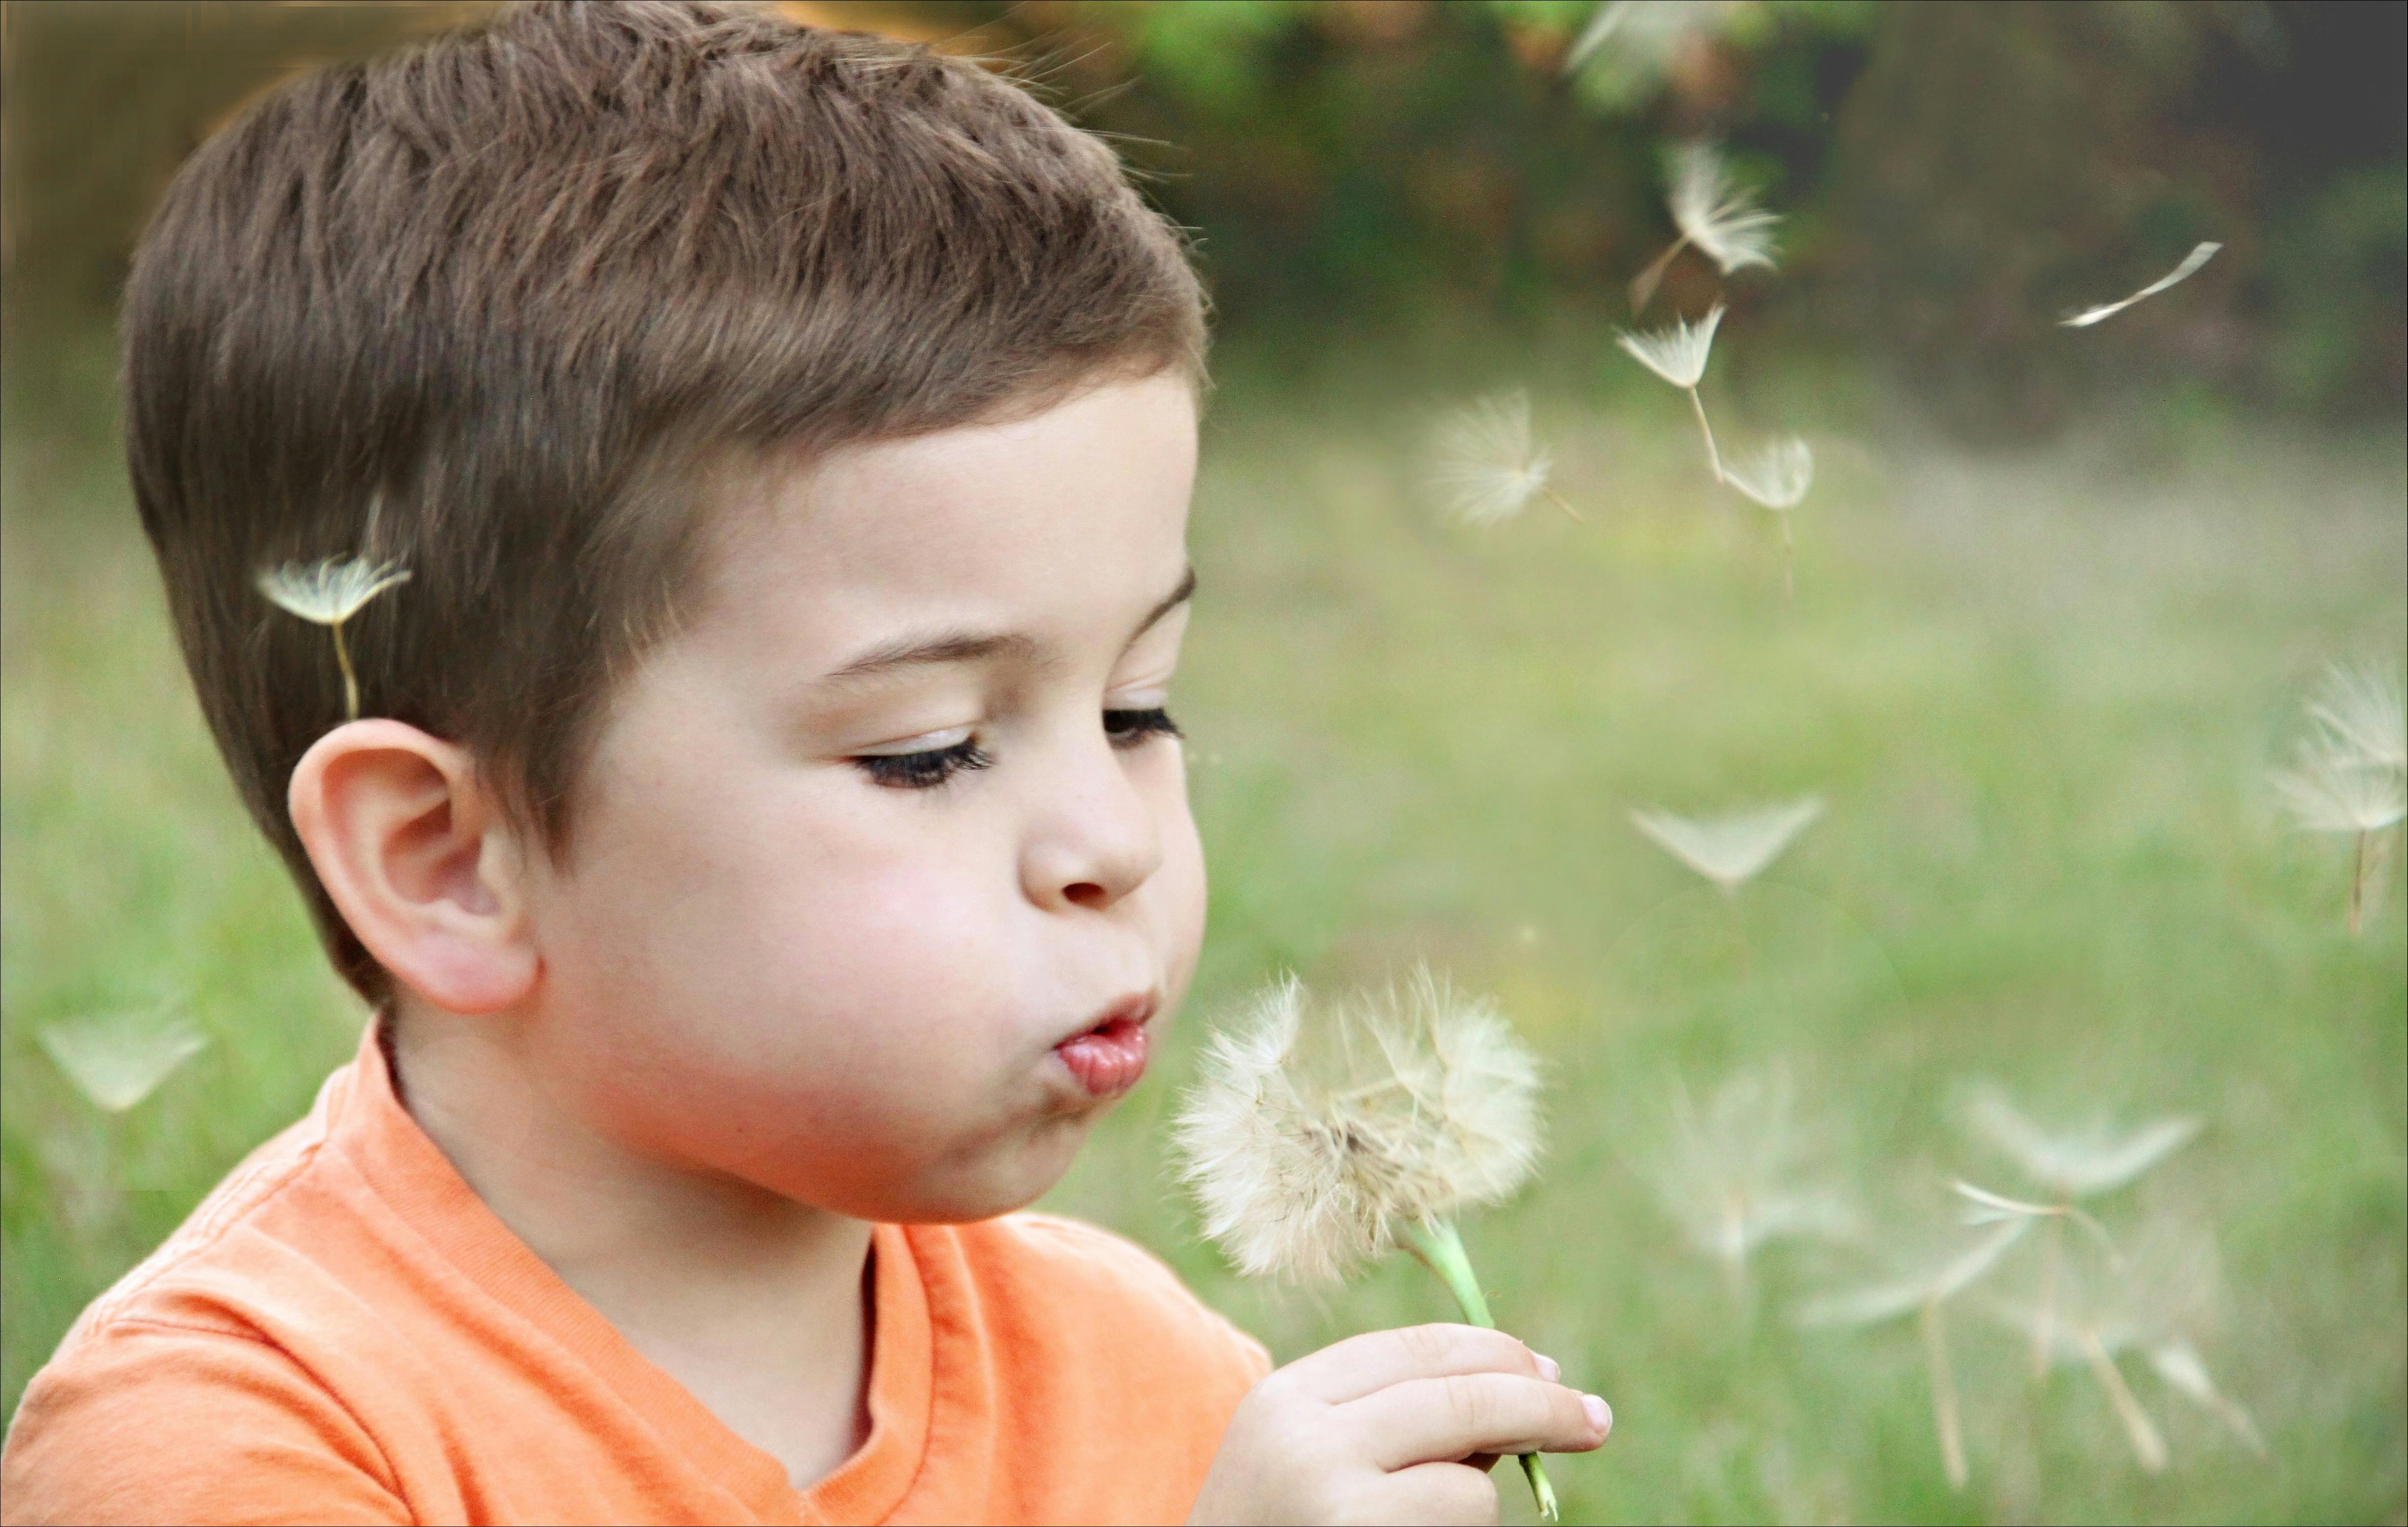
x: 343, y: 1332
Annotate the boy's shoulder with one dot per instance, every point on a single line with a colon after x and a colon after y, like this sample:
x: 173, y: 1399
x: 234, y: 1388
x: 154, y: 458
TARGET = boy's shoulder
x: 184, y: 1358
x: 197, y: 1279
x: 340, y: 1331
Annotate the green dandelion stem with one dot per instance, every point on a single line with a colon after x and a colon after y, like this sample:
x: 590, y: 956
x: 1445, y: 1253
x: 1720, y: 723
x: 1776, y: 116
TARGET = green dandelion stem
x: 1441, y: 1250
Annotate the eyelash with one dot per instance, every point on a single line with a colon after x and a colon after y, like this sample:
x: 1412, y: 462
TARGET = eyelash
x: 1128, y: 728
x: 936, y: 767
x: 924, y: 771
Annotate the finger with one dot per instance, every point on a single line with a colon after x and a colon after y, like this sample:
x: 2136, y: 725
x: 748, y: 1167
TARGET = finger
x: 1424, y: 1421
x: 1373, y: 1361
x: 1439, y: 1492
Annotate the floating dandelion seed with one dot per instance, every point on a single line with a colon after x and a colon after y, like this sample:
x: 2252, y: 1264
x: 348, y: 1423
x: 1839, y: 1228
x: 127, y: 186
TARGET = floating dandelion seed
x: 2353, y: 776
x: 1678, y: 353
x: 1487, y: 467
x: 329, y: 593
x: 1730, y: 850
x: 1717, y: 217
x: 1721, y: 219
x: 117, y: 1061
x: 2363, y: 709
x: 2071, y: 1165
x: 1925, y: 1294
x: 2146, y: 1301
x: 2332, y: 787
x: 1732, y: 1177
x: 1679, y: 356
x: 2181, y: 272
x: 1319, y: 1137
x: 1777, y: 476
x: 2075, y: 1164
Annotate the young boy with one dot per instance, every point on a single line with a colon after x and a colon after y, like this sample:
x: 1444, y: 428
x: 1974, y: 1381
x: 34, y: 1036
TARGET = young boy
x: 766, y: 847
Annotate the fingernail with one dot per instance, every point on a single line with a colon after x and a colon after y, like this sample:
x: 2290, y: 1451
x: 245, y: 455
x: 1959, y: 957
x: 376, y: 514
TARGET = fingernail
x: 1600, y: 1415
x: 1548, y: 1368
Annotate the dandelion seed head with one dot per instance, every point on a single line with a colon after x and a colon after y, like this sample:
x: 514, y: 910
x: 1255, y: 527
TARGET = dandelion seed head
x: 2362, y: 708
x: 328, y: 591
x: 116, y: 1061
x: 1677, y: 354
x: 2073, y: 1164
x: 1777, y: 476
x: 1719, y: 216
x: 1317, y: 1129
x: 1733, y: 849
x: 2330, y: 786
x: 1487, y: 467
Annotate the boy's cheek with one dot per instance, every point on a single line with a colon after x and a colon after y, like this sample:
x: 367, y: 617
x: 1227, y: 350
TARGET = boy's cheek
x: 1189, y: 896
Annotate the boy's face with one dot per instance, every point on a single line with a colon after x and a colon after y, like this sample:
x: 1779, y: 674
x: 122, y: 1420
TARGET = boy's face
x: 894, y: 818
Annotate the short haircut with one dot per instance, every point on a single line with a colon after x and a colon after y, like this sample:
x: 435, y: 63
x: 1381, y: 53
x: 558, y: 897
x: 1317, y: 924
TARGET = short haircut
x: 492, y: 307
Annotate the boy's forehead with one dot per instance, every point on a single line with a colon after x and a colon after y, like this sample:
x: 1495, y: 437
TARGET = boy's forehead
x: 1075, y: 513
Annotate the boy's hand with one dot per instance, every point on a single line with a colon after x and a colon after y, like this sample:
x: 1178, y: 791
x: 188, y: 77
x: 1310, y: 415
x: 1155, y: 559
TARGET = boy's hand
x: 1396, y: 1426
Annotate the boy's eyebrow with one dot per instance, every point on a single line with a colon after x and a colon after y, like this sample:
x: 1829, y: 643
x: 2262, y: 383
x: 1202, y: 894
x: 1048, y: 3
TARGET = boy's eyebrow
x: 972, y: 646
x: 1177, y: 596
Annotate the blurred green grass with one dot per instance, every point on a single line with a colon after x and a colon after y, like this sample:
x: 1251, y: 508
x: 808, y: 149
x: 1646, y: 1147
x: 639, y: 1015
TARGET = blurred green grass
x: 2040, y: 690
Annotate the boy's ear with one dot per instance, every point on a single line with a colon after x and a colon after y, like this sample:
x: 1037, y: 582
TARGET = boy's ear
x: 420, y: 860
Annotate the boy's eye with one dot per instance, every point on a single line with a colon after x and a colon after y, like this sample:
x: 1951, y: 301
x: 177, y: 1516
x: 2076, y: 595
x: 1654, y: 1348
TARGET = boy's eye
x: 928, y: 767
x: 1128, y: 728
x: 925, y: 769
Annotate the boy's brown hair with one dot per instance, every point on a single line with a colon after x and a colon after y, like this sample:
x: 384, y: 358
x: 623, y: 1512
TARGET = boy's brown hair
x: 494, y: 309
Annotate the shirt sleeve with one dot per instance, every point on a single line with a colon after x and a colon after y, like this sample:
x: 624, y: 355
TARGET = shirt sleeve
x: 144, y: 1422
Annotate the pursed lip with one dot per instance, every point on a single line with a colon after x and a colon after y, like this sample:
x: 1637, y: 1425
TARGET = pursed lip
x: 1138, y: 1008
x: 1107, y: 1057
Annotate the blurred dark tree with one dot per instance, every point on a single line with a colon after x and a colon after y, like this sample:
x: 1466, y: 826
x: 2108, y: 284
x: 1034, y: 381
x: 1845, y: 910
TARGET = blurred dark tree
x: 1382, y: 162
x: 1955, y: 176
x: 98, y: 105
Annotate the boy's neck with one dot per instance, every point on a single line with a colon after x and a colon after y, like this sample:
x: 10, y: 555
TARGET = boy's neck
x: 757, y: 1303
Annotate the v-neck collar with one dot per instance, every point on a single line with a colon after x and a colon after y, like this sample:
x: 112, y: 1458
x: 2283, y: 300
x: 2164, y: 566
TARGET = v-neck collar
x: 411, y: 1174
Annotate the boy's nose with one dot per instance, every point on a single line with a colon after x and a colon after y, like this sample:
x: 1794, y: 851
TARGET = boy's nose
x: 1095, y: 840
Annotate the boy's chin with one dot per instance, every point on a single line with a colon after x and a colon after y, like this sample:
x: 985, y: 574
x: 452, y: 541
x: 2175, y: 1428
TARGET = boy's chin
x: 1000, y: 1180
